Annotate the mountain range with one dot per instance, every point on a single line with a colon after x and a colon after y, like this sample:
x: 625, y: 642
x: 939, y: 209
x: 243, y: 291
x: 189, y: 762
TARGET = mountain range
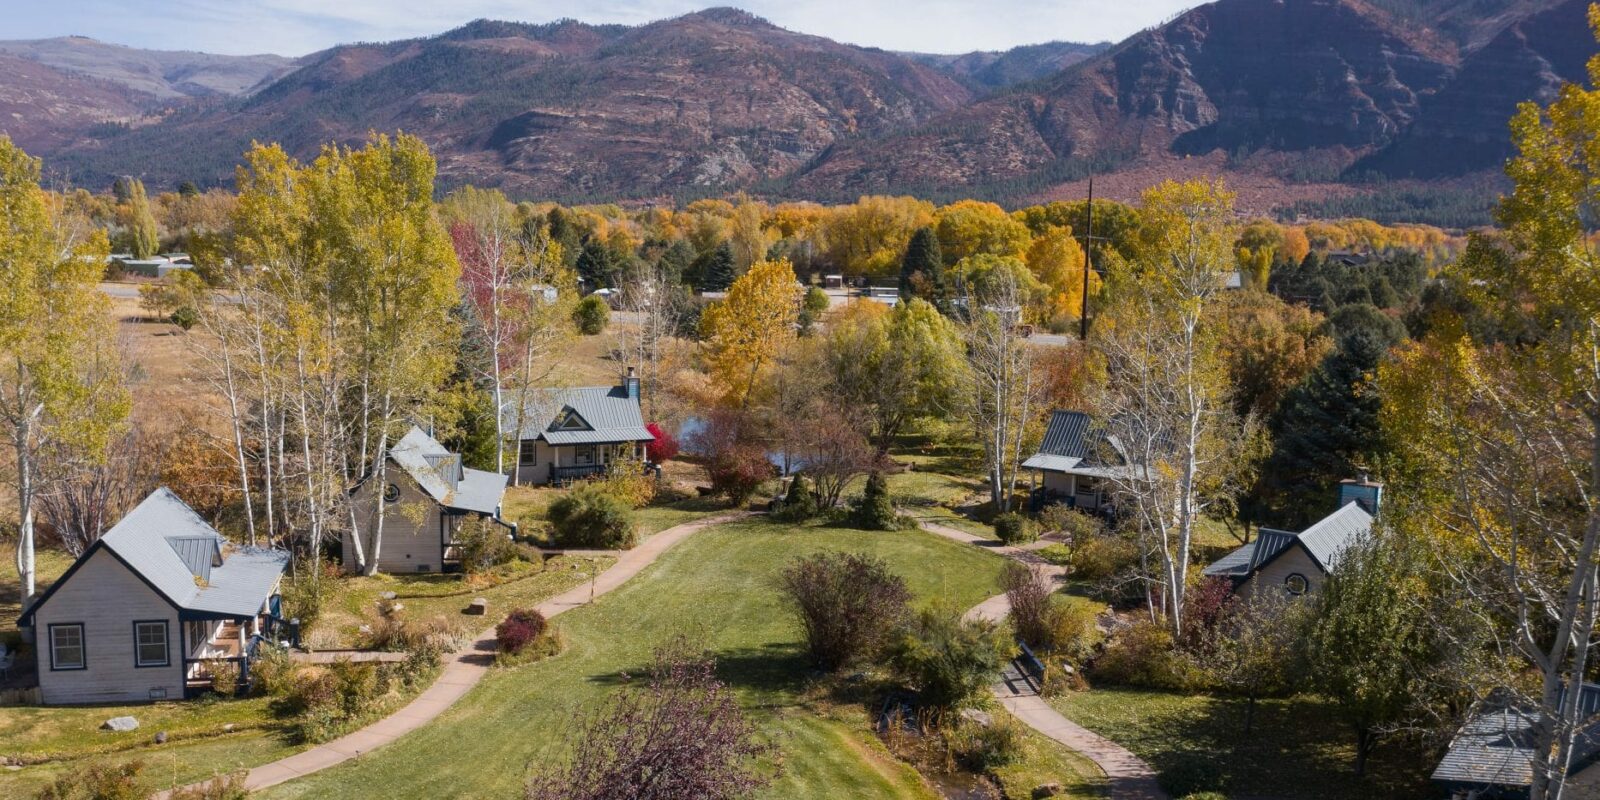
x: 1291, y: 100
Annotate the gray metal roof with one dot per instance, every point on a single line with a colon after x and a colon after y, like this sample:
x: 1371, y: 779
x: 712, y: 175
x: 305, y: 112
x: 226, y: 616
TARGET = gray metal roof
x: 1325, y: 541
x: 1495, y: 746
x: 440, y: 473
x: 1335, y: 533
x: 1074, y: 445
x: 163, y: 540
x: 608, y: 415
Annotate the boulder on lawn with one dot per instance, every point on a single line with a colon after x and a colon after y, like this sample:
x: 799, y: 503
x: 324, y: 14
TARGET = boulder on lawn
x: 387, y: 596
x: 161, y: 738
x: 1044, y: 790
x: 478, y: 607
x: 120, y: 724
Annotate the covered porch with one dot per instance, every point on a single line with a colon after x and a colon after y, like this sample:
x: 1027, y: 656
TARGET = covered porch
x: 208, y: 639
x: 1078, y: 491
x: 539, y: 462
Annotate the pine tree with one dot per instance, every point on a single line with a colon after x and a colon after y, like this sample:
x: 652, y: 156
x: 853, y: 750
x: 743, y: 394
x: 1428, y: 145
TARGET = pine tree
x: 922, y: 269
x: 1327, y: 428
x: 718, y: 274
x: 595, y: 268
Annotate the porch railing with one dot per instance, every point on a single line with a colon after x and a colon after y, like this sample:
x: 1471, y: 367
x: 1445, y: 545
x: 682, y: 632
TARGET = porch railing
x: 570, y: 474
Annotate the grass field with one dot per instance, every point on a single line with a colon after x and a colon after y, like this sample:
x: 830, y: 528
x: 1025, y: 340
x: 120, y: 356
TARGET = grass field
x: 718, y: 587
x: 1296, y: 749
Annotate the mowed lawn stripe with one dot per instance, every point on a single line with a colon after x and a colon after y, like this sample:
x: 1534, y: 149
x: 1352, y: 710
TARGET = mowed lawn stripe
x: 718, y: 587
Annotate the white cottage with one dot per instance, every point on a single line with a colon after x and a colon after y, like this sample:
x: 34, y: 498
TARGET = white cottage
x: 141, y: 614
x: 429, y: 493
x: 567, y: 434
x: 1076, y: 463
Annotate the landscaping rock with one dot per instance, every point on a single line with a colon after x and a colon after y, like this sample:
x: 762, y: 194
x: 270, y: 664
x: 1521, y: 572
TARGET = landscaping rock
x: 478, y: 607
x: 979, y: 717
x: 120, y: 724
x: 228, y: 728
x: 388, y: 596
x: 1046, y: 790
x: 161, y: 738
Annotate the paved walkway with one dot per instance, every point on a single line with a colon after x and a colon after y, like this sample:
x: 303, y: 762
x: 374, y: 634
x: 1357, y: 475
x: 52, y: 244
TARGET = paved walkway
x: 1129, y: 777
x: 463, y: 669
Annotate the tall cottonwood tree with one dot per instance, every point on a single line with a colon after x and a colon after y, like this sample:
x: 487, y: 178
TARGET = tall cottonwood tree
x: 1166, y: 400
x: 1004, y: 384
x: 746, y: 332
x: 1498, y: 425
x: 61, y: 395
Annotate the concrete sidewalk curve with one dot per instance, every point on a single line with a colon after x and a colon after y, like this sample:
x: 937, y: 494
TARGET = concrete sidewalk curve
x: 464, y: 668
x: 1128, y: 776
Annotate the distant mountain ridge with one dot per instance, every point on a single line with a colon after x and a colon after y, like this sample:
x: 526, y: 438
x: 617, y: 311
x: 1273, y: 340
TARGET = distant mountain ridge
x: 1281, y: 93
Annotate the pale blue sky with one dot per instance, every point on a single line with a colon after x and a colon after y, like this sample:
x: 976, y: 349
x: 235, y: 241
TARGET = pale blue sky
x: 295, y: 27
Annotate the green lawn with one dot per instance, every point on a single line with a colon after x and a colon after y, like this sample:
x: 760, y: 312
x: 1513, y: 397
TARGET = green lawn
x: 718, y: 587
x: 1297, y: 749
x: 526, y: 505
x: 516, y: 585
x: 56, y: 739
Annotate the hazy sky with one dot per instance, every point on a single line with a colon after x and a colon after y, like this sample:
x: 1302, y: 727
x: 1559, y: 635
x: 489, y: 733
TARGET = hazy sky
x: 295, y: 27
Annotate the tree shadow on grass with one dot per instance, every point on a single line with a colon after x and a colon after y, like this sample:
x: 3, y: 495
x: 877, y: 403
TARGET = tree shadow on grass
x: 1297, y: 747
x: 771, y: 667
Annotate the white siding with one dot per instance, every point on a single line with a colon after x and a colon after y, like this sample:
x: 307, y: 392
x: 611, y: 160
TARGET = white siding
x: 1059, y: 482
x: 407, y: 544
x: 106, y: 598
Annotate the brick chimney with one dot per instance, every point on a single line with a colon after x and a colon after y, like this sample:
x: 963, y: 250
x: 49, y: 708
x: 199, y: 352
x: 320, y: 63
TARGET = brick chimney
x: 1363, y: 490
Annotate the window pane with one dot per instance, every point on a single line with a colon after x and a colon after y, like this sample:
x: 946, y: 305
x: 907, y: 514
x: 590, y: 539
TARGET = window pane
x: 152, y: 643
x: 67, y: 645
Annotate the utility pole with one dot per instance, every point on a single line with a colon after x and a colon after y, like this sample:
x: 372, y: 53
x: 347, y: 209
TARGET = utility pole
x: 1088, y: 266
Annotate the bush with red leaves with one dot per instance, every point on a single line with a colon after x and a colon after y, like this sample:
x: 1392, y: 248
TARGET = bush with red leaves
x: 519, y: 629
x: 664, y: 448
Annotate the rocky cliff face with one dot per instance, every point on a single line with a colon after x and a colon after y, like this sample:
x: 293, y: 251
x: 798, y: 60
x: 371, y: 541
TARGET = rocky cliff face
x: 1237, y: 75
x: 1462, y: 128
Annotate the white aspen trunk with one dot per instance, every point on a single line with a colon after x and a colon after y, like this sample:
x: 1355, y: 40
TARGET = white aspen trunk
x: 380, y: 477
x: 237, y: 422
x: 25, y: 557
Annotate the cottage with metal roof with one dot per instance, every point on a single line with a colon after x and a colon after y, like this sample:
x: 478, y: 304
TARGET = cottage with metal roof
x: 1301, y: 562
x: 1077, y: 462
x: 1491, y: 756
x: 429, y: 494
x: 567, y: 434
x: 145, y: 610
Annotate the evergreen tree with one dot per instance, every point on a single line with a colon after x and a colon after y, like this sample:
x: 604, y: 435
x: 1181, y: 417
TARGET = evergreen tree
x: 922, y: 268
x: 595, y: 266
x: 676, y: 262
x: 566, y: 234
x: 718, y: 273
x: 1327, y: 428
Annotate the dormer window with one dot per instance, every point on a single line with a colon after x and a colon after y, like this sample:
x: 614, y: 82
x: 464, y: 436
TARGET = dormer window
x: 570, y: 421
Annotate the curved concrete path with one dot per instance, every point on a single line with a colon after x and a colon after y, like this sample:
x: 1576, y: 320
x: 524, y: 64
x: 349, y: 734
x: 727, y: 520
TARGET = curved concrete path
x: 464, y: 668
x: 1129, y: 777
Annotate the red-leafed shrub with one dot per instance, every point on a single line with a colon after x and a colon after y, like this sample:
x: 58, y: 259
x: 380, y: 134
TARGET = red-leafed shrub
x: 664, y: 448
x: 519, y: 629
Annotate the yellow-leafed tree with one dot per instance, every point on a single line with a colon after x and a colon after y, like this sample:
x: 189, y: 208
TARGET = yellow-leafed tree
x: 745, y: 332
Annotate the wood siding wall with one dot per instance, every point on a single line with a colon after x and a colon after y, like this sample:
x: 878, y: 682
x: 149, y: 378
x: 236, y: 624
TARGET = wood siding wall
x: 408, y: 546
x: 106, y: 598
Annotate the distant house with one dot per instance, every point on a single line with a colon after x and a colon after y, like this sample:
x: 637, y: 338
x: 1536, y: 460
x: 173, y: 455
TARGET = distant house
x: 567, y: 434
x: 429, y: 493
x: 1301, y: 562
x: 1490, y: 757
x: 155, y: 267
x: 141, y: 614
x: 1076, y: 462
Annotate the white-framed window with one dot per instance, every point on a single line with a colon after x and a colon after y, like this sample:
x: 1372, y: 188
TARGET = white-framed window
x: 528, y: 452
x: 1296, y: 584
x: 150, y: 644
x: 66, y: 646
